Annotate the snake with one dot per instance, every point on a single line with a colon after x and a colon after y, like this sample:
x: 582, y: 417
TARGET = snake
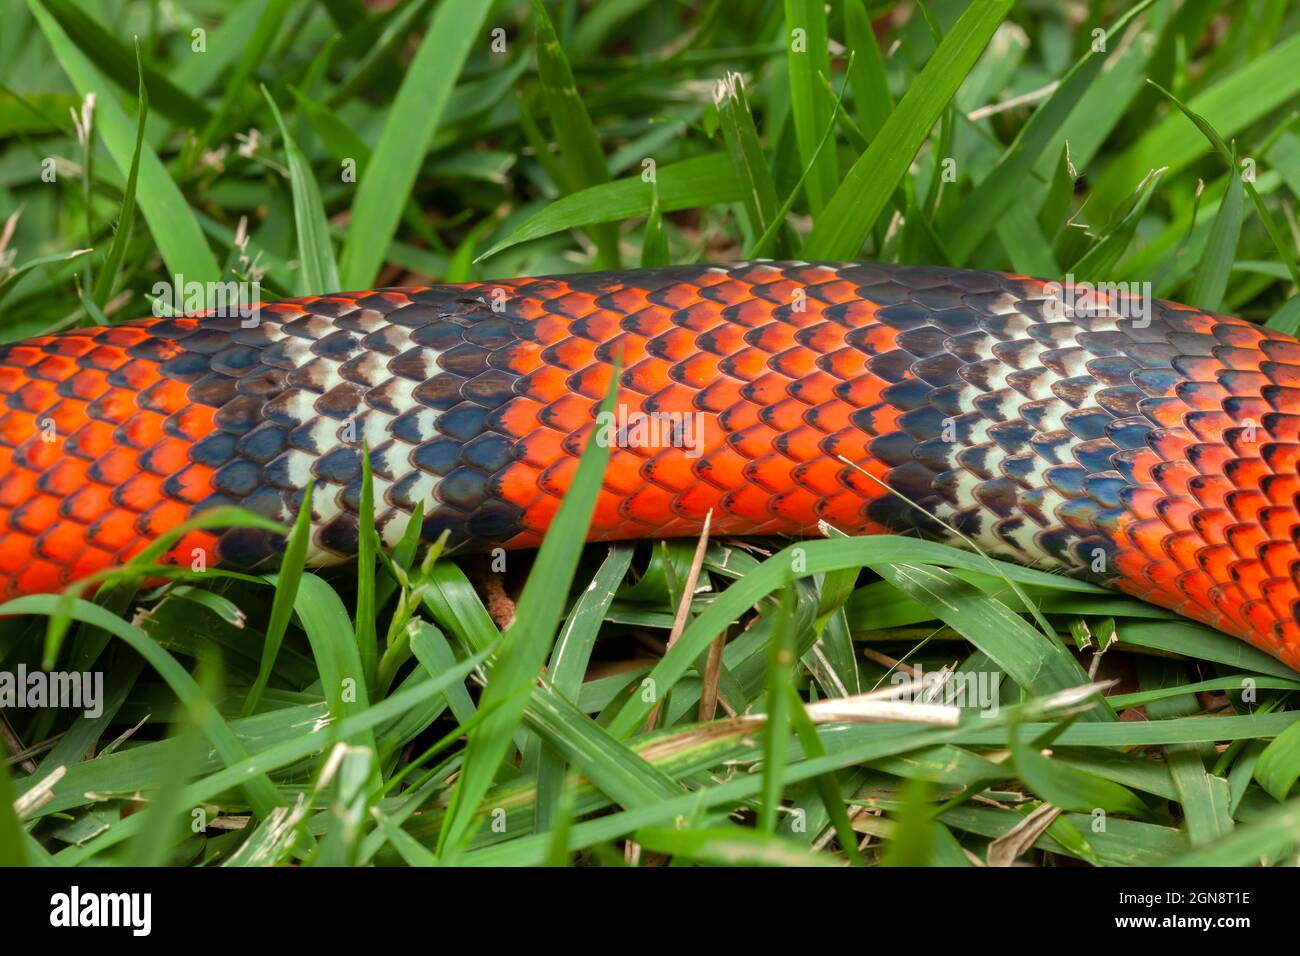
x: 1144, y: 445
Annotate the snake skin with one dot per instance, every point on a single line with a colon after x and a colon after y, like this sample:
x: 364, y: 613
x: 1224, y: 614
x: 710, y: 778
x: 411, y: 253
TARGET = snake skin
x: 1158, y: 455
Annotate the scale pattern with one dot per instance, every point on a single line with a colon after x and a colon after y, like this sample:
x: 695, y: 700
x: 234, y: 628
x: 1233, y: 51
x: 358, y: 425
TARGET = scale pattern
x: 1154, y: 449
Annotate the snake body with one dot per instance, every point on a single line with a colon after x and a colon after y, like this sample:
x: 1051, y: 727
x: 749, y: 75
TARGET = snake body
x: 1154, y: 450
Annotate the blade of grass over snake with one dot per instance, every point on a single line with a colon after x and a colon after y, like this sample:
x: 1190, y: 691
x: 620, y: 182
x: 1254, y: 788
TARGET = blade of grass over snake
x: 852, y: 212
x: 286, y: 592
x: 171, y: 221
x: 319, y: 274
x: 531, y: 635
x: 403, y: 557
x: 367, y: 544
x: 408, y: 130
x: 142, y: 564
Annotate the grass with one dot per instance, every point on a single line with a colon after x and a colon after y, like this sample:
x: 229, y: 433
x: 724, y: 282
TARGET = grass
x: 309, y: 717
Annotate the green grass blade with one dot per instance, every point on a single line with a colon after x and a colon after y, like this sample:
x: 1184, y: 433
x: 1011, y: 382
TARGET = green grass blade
x: 261, y: 792
x: 809, y: 63
x: 456, y: 607
x: 1287, y: 318
x: 1278, y: 767
x: 685, y: 185
x: 10, y: 280
x: 1229, y: 105
x: 383, y: 190
x: 367, y: 545
x: 654, y: 240
x: 334, y: 646
x: 980, y: 211
x: 1096, y: 263
x: 759, y: 194
x: 1212, y: 274
x: 1053, y: 669
x: 1267, y: 838
x: 286, y: 592
x: 320, y: 273
x: 872, y: 101
x: 852, y: 212
x: 828, y: 785
x: 252, y: 55
x: 769, y: 237
x: 1284, y: 248
x: 559, y: 176
x: 13, y: 836
x: 626, y: 778
x: 113, y: 58
x: 1069, y: 787
x: 728, y: 846
x: 580, y: 148
x: 568, y: 665
x: 171, y: 222
x: 776, y: 729
x: 1031, y: 660
x: 166, y: 820
x: 108, y: 274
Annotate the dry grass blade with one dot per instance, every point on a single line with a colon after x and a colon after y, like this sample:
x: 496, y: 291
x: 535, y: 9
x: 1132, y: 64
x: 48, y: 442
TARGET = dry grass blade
x: 684, y: 605
x: 1012, y: 845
